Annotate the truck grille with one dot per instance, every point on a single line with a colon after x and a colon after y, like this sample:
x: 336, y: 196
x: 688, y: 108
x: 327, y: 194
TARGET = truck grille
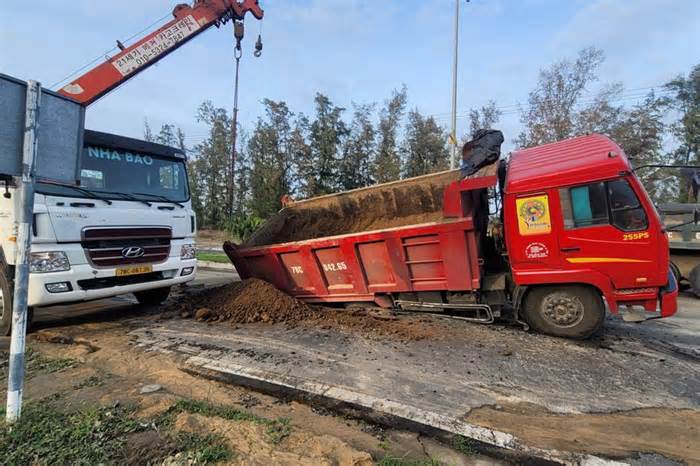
x: 105, y: 247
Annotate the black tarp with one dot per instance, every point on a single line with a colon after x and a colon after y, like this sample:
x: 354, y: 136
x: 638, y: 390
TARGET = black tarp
x: 484, y: 149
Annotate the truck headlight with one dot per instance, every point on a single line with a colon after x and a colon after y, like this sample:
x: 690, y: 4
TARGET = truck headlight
x: 44, y: 262
x: 188, y: 251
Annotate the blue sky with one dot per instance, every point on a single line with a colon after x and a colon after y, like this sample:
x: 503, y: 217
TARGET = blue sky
x: 351, y: 50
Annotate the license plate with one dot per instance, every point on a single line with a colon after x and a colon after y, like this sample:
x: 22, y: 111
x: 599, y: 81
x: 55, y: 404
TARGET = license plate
x: 135, y: 270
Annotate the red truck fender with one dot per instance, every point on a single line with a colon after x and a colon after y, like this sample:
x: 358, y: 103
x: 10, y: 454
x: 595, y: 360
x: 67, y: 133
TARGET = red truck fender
x: 527, y: 280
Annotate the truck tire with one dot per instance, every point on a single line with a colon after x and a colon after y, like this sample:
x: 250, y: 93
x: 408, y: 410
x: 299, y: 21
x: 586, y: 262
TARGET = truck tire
x: 570, y: 311
x: 6, y: 289
x: 676, y: 272
x: 152, y: 297
x: 6, y: 294
x: 694, y: 279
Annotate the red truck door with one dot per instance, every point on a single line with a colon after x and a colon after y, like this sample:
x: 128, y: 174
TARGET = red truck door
x: 605, y: 228
x: 534, y: 244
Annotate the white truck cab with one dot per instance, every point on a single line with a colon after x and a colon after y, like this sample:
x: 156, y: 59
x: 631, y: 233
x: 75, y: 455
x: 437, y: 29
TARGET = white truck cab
x: 128, y: 227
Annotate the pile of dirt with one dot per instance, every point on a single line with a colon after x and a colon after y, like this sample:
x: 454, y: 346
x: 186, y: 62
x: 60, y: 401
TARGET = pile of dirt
x: 244, y: 302
x: 390, y: 205
x: 254, y: 300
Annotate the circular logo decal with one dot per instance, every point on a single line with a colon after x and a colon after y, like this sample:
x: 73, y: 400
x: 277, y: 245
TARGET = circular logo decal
x: 536, y: 251
x: 532, y: 210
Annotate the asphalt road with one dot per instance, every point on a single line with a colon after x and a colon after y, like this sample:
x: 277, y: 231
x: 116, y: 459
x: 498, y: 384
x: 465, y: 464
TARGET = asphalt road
x: 679, y: 334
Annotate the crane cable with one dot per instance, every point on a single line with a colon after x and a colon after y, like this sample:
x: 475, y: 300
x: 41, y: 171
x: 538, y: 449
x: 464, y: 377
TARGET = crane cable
x: 238, y: 33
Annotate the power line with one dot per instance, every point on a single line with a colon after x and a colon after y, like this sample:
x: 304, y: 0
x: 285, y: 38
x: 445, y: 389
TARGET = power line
x: 515, y: 108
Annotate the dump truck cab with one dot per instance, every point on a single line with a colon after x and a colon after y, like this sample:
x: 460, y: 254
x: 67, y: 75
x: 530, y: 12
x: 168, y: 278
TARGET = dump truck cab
x: 580, y: 228
x: 576, y: 231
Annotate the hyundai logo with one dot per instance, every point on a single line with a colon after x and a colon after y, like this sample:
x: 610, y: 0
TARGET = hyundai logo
x: 133, y: 252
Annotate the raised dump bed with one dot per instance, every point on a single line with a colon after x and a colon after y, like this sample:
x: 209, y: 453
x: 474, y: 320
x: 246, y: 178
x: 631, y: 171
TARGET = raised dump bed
x: 372, y: 244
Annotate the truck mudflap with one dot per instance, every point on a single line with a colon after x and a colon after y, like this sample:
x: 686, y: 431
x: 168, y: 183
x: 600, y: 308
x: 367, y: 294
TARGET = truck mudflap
x: 668, y: 297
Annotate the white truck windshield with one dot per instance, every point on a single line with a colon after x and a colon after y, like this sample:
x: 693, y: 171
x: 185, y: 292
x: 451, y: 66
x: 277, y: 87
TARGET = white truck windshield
x: 113, y: 174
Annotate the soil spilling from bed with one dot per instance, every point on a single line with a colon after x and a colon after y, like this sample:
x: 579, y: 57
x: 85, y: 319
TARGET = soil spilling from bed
x: 256, y: 301
x: 390, y: 205
x: 247, y: 302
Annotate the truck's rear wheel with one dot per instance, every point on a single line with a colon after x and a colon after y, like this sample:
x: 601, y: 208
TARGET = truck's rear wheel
x: 570, y: 311
x: 676, y: 272
x: 153, y: 297
x: 694, y: 279
x: 5, y: 304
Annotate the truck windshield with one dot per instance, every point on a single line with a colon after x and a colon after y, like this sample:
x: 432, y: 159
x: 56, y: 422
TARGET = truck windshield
x: 126, y: 175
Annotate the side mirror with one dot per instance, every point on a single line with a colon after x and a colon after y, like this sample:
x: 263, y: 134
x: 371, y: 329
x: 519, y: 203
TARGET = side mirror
x: 696, y: 216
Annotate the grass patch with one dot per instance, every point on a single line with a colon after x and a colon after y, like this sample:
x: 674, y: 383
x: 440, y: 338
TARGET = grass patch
x: 49, y: 435
x: 203, y: 449
x: 208, y: 256
x: 92, y: 381
x: 390, y: 460
x: 36, y: 362
x: 277, y: 429
x: 463, y: 444
x: 384, y: 444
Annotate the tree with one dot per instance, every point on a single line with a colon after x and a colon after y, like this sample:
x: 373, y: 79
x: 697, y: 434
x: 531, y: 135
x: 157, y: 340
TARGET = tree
x: 212, y: 166
x: 359, y: 149
x: 303, y: 177
x: 640, y: 132
x: 600, y: 116
x: 270, y: 156
x: 387, y: 164
x: 326, y: 135
x: 686, y: 101
x: 550, y: 114
x: 424, y: 148
x: 147, y: 133
x: 484, y: 117
x: 242, y: 197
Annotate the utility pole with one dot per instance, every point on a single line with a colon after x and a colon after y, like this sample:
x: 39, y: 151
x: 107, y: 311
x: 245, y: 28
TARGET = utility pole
x: 453, y: 133
x: 24, y: 221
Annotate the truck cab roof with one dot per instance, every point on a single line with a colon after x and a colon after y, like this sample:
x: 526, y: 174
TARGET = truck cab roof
x: 581, y: 159
x: 114, y: 141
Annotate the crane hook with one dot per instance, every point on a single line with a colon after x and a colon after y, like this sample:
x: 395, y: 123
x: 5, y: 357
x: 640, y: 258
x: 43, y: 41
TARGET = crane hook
x: 258, y: 46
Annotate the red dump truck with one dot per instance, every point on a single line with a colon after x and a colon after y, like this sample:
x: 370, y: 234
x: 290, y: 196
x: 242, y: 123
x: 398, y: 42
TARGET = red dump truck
x: 568, y: 229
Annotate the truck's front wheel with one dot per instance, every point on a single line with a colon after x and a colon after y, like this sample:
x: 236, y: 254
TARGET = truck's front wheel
x: 5, y: 303
x: 152, y: 297
x: 569, y: 311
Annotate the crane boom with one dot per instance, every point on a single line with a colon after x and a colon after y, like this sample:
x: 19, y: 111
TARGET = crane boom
x: 188, y: 22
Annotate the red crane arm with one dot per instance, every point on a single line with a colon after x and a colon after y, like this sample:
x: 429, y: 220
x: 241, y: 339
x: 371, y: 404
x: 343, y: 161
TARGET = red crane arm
x: 189, y: 21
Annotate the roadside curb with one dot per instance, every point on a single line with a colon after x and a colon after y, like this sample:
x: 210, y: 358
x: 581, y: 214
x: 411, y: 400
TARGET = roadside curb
x: 215, y: 265
x: 267, y: 381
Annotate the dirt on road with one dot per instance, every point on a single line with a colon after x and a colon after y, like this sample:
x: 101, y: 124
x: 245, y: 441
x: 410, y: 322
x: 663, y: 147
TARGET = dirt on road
x: 92, y: 363
x: 256, y: 301
x: 673, y: 433
x: 93, y: 373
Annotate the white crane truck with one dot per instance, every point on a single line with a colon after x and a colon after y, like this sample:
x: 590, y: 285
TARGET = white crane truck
x: 127, y: 227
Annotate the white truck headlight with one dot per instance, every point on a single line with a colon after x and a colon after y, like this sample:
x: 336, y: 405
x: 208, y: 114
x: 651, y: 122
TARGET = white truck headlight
x: 188, y: 251
x: 44, y: 262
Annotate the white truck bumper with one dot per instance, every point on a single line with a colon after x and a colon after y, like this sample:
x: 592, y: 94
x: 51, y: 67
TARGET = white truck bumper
x: 86, y: 282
